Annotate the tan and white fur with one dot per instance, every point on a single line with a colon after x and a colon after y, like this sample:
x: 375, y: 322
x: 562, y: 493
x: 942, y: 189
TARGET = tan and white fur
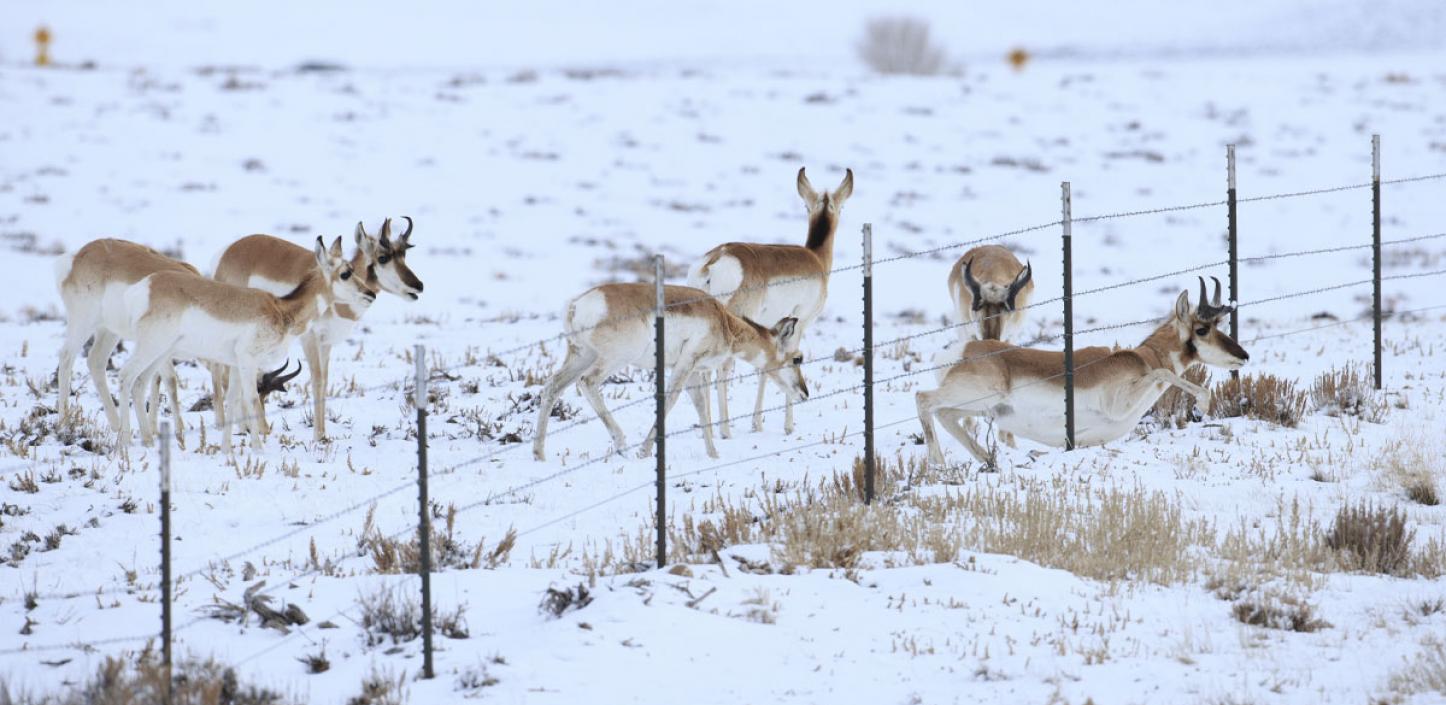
x: 1022, y: 389
x: 277, y: 266
x: 92, y: 281
x: 990, y: 289
x: 179, y: 314
x: 610, y: 327
x: 770, y: 282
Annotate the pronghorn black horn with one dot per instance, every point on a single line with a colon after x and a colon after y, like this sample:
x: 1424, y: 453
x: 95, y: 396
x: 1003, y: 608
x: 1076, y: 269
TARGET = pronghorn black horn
x: 1206, y: 309
x: 973, y: 285
x: 1216, y: 301
x: 385, y: 235
x: 1020, y: 280
x: 275, y: 380
x: 408, y: 232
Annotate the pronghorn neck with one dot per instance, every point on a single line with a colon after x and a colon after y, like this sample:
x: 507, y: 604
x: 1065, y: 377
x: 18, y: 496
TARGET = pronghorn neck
x: 747, y: 340
x: 821, y: 228
x: 1167, y: 351
x: 308, y: 301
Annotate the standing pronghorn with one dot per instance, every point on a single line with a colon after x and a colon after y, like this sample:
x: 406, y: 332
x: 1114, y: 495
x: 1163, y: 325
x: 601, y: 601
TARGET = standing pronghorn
x: 1022, y: 389
x: 771, y: 282
x: 277, y: 266
x: 611, y: 327
x: 92, y: 282
x: 181, y: 314
x: 990, y: 290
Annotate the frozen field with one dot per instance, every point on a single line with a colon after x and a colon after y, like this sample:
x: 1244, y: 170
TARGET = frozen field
x: 1111, y: 573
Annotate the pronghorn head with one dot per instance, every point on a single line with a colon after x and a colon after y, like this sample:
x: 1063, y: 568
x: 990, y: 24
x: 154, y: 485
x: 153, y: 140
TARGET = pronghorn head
x: 1199, y: 334
x: 829, y: 203
x: 275, y: 380
x: 996, y: 292
x: 387, y: 259
x: 784, y: 365
x: 343, y: 283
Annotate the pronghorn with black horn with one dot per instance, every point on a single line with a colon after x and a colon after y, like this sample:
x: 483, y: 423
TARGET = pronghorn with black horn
x: 92, y: 282
x: 771, y: 282
x: 990, y: 290
x: 611, y: 327
x: 179, y: 314
x: 278, y: 266
x: 1022, y: 389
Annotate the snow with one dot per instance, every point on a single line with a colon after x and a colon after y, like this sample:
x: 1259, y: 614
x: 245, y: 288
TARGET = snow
x: 684, y: 132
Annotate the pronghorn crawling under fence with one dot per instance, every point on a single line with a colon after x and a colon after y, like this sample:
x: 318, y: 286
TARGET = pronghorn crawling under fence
x: 1022, y: 389
x: 181, y: 314
x: 770, y: 282
x: 92, y: 283
x: 611, y: 327
x: 278, y: 266
x: 990, y: 289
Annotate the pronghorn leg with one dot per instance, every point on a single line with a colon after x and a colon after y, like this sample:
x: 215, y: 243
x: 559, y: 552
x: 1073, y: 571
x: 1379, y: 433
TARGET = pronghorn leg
x: 960, y: 424
x: 698, y: 391
x: 133, y: 376
x: 1130, y: 400
x: 153, y: 402
x: 787, y: 415
x: 758, y: 404
x: 681, y: 373
x: 100, y: 350
x: 74, y: 338
x: 725, y: 423
x: 150, y: 383
x: 591, y: 387
x: 178, y: 424
x: 577, y: 362
x: 220, y: 385
x: 924, y: 402
x: 251, y: 402
x: 311, y: 346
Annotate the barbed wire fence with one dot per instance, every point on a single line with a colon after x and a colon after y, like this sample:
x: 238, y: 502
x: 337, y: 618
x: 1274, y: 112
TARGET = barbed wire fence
x: 451, y: 473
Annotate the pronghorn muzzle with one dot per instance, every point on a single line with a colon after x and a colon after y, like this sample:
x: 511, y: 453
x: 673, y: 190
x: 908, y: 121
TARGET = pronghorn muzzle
x: 1020, y: 281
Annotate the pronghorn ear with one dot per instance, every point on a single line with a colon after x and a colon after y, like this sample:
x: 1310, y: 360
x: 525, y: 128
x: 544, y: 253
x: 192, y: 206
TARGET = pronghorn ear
x: 366, y: 243
x: 336, y: 247
x: 845, y: 188
x: 784, y: 330
x: 805, y: 189
x: 320, y: 252
x: 1182, y: 307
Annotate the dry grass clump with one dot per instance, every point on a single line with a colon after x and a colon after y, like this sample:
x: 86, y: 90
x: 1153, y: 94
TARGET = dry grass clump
x: 404, y: 555
x: 142, y: 681
x: 1347, y: 391
x: 1372, y: 539
x: 1277, y: 610
x: 556, y: 602
x: 380, y: 688
x: 1176, y: 408
x: 1101, y: 533
x: 1264, y: 397
x: 1415, y: 463
x: 900, y: 46
x: 1426, y: 673
x: 387, y: 617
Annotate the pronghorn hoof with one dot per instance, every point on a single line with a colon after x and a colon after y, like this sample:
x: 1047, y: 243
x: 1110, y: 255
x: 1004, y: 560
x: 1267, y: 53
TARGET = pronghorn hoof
x: 645, y: 452
x: 758, y: 427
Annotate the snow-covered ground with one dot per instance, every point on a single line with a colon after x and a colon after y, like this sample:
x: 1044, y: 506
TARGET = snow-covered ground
x: 529, y: 185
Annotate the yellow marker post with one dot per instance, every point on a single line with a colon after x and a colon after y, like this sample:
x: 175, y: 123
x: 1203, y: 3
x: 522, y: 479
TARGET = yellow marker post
x: 1018, y: 58
x: 42, y: 46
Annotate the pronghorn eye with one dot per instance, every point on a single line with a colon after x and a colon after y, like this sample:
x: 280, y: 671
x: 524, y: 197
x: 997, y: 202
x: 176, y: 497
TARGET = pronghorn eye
x: 346, y: 275
x: 1201, y: 331
x: 384, y: 259
x: 798, y: 359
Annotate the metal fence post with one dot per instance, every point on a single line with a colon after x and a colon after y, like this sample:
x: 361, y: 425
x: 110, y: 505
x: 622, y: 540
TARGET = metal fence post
x: 1376, y: 246
x: 661, y: 410
x: 163, y: 445
x: 1234, y: 225
x: 1065, y: 220
x: 869, y: 460
x: 424, y: 508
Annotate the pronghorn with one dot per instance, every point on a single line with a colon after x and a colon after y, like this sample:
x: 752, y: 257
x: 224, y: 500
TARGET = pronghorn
x: 770, y: 282
x: 92, y: 282
x: 277, y: 266
x: 181, y: 314
x: 1022, y: 389
x: 611, y: 327
x: 990, y: 288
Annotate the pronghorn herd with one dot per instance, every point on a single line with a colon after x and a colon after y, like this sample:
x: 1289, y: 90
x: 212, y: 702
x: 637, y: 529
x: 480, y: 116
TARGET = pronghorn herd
x: 748, y: 301
x: 264, y: 293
